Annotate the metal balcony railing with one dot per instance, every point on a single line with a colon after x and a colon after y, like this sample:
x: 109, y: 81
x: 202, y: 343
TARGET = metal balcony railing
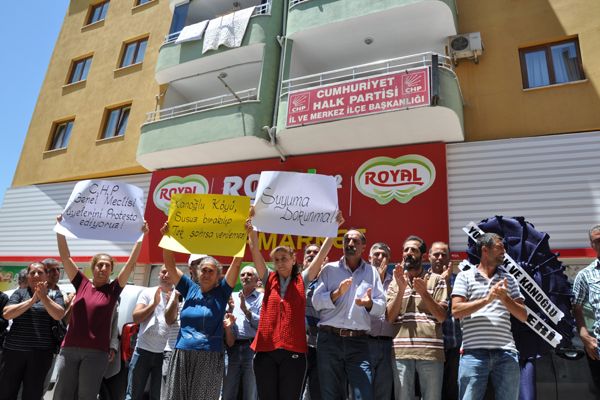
x: 392, y: 65
x: 202, y: 105
x: 294, y: 2
x: 262, y: 9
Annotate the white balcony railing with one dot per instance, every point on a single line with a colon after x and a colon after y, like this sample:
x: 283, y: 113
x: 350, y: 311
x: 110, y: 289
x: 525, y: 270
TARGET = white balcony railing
x: 202, y: 105
x: 294, y: 2
x: 392, y: 65
x: 262, y: 9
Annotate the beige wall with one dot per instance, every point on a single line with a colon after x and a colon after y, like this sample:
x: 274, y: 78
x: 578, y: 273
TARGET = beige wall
x: 496, y: 106
x: 106, y: 85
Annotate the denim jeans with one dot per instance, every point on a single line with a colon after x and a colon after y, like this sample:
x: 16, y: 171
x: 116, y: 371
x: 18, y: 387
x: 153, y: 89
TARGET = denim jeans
x: 239, y: 370
x: 476, y: 366
x: 380, y: 351
x: 312, y: 387
x: 344, y: 360
x: 431, y: 377
x: 144, y: 364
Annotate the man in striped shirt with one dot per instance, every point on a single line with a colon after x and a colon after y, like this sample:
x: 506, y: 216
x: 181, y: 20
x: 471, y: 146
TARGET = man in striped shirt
x: 484, y: 298
x: 586, y: 289
x: 417, y: 302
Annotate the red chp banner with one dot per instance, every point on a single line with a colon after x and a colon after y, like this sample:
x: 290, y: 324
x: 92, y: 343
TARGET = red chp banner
x: 387, y: 193
x: 371, y: 95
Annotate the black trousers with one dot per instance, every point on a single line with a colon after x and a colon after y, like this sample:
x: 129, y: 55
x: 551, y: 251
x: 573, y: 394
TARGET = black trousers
x: 279, y: 374
x: 26, y: 367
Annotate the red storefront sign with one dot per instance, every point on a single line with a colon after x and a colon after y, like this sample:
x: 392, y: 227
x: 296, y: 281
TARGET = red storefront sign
x: 371, y: 95
x: 388, y: 193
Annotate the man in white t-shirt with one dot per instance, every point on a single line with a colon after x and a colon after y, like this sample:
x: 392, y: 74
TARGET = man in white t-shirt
x: 147, y: 358
x: 484, y: 298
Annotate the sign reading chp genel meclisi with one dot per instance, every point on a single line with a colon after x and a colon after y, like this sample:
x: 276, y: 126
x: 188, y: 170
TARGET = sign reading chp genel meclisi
x: 389, y: 193
x: 385, y: 179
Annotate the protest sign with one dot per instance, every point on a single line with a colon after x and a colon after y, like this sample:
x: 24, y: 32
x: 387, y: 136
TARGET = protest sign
x: 103, y: 210
x: 207, y: 224
x: 296, y: 204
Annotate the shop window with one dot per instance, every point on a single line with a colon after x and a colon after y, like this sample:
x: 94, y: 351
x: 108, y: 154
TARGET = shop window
x: 97, y: 12
x: 115, y: 121
x: 79, y: 70
x: 133, y: 52
x: 61, y: 133
x: 551, y: 64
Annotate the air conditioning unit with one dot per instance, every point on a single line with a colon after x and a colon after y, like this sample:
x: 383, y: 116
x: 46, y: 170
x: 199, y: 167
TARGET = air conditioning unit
x: 465, y: 45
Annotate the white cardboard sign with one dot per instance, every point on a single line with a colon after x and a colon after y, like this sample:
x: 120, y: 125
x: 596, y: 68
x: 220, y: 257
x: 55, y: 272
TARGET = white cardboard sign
x: 103, y: 210
x: 296, y: 204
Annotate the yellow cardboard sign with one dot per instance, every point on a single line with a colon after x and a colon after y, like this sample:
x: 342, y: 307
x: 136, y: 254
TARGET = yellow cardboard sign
x: 207, y: 224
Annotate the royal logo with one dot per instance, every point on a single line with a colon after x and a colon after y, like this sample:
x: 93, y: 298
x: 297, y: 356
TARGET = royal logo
x: 385, y: 179
x: 175, y: 184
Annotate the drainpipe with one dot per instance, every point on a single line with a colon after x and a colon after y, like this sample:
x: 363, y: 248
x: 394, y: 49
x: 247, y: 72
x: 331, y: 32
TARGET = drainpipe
x: 282, y: 40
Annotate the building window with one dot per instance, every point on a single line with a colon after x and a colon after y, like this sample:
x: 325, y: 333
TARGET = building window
x: 80, y: 69
x: 61, y: 133
x: 115, y: 121
x: 133, y: 52
x: 551, y: 64
x: 140, y: 2
x: 97, y: 12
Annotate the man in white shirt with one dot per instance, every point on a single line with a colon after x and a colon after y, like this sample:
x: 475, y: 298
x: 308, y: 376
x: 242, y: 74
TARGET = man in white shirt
x: 147, y: 358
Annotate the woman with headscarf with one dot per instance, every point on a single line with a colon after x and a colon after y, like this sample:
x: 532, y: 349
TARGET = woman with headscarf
x: 196, y: 367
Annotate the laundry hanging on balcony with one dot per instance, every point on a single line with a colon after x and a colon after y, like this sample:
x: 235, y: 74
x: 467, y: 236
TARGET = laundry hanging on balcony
x: 227, y: 30
x: 192, y: 32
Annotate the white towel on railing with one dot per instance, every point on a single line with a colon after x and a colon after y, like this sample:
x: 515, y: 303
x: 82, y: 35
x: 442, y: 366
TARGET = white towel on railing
x: 192, y: 32
x: 227, y: 30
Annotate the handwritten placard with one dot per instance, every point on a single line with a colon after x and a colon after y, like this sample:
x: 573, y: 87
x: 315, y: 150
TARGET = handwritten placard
x: 103, y: 210
x: 207, y: 224
x: 297, y: 204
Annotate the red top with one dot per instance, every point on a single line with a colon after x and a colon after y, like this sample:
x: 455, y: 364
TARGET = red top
x: 281, y: 324
x: 91, y: 319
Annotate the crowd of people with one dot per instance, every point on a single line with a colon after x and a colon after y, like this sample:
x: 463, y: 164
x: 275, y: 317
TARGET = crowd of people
x: 354, y: 328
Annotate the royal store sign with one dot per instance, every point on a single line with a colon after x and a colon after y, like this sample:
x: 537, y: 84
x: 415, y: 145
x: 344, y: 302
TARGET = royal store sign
x: 388, y: 193
x: 371, y: 95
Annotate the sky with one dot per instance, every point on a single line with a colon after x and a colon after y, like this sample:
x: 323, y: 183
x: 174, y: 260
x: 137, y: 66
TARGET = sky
x: 29, y: 30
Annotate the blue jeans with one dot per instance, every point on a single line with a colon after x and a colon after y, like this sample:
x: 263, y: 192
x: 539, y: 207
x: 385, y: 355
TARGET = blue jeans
x: 144, y: 364
x: 344, y: 360
x: 380, y: 351
x: 239, y: 370
x: 476, y: 366
x: 431, y: 377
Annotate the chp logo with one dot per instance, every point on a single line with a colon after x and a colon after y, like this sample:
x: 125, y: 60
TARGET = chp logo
x: 191, y: 184
x: 298, y: 103
x: 385, y: 179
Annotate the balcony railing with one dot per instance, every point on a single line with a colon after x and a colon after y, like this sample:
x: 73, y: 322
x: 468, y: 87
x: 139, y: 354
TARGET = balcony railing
x: 392, y: 65
x: 202, y: 105
x: 294, y: 2
x: 262, y: 9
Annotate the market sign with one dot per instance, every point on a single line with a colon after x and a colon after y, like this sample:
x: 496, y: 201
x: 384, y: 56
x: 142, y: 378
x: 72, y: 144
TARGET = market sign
x: 365, y: 96
x: 388, y: 193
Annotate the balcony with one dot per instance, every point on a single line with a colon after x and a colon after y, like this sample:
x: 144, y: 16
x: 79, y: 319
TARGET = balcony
x: 349, y: 108
x: 181, y: 60
x: 417, y: 22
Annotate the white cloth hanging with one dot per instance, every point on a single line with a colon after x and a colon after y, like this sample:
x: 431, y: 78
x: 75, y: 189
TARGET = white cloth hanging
x: 227, y: 30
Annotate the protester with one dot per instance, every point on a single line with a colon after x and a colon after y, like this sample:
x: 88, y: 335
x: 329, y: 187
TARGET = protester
x: 348, y: 294
x: 196, y: 368
x: 193, y: 263
x: 172, y: 311
x: 147, y: 359
x: 439, y: 259
x: 280, y: 342
x: 586, y: 289
x: 417, y: 302
x: 382, y: 332
x: 86, y: 349
x: 3, y: 321
x: 246, y: 311
x: 22, y: 279
x: 29, y: 345
x: 484, y: 298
